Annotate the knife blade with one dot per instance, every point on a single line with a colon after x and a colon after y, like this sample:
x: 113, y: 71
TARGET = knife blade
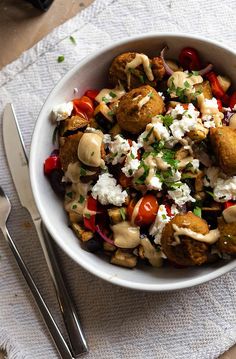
x: 18, y: 164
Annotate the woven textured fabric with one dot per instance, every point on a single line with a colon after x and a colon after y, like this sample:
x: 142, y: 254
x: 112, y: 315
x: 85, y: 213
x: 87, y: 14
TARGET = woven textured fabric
x: 197, y: 323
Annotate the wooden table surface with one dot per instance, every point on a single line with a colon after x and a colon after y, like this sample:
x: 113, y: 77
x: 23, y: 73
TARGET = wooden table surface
x: 21, y: 26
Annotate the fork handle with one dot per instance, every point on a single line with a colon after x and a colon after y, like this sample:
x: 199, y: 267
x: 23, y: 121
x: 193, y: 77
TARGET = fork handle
x: 71, y: 320
x: 55, y: 332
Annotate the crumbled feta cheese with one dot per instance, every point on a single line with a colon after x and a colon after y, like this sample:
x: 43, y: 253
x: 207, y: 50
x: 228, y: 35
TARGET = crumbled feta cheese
x: 62, y: 111
x: 225, y: 189
x: 157, y: 227
x: 118, y: 150
x: 188, y: 121
x: 156, y: 128
x: 106, y: 139
x: 131, y: 162
x: 174, y: 177
x: 181, y: 195
x: 194, y: 165
x: 131, y: 166
x: 211, y: 175
x: 154, y: 184
x: 107, y: 191
x: 208, y: 121
x: 160, y: 129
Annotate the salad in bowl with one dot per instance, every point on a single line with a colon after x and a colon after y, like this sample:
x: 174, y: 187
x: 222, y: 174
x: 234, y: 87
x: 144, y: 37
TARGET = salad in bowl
x: 146, y: 166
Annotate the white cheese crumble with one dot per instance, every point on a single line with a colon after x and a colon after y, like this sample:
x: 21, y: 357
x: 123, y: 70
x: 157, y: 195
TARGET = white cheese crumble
x: 181, y: 195
x: 131, y: 162
x: 208, y: 121
x: 106, y: 139
x: 225, y: 189
x: 107, y: 191
x: 157, y: 227
x: 189, y: 119
x: 154, y: 183
x: 62, y: 111
x: 118, y: 149
x: 162, y: 96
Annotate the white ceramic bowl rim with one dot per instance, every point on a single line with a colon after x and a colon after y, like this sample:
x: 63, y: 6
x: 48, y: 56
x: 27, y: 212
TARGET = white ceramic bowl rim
x: 92, y: 269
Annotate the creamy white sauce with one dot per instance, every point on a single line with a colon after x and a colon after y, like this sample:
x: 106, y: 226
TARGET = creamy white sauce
x: 89, y: 149
x: 140, y: 59
x: 232, y: 121
x: 150, y: 252
x: 110, y: 95
x: 143, y: 101
x: 126, y: 235
x: 209, y: 238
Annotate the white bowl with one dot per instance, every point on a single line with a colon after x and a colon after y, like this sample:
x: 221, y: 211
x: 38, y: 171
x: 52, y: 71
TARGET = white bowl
x: 92, y: 73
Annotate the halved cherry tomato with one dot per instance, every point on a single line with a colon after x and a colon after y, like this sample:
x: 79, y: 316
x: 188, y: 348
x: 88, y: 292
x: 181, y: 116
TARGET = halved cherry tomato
x: 51, y: 163
x: 189, y: 59
x: 232, y: 100
x: 146, y: 208
x: 89, y: 219
x: 217, y: 90
x: 229, y: 204
x: 77, y: 112
x: 85, y: 105
x: 92, y: 94
x: 124, y: 181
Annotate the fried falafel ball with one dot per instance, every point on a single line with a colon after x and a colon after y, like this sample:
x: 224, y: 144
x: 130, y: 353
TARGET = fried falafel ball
x: 137, y: 107
x: 227, y: 241
x: 223, y: 140
x: 189, y: 252
x: 135, y: 77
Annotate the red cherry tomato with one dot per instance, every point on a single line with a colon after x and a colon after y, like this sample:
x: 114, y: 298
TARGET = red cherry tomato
x: 215, y: 85
x: 89, y: 219
x: 229, y: 204
x: 51, y: 163
x: 232, y: 100
x: 77, y: 112
x: 189, y: 59
x: 92, y: 94
x: 146, y: 207
x: 85, y: 105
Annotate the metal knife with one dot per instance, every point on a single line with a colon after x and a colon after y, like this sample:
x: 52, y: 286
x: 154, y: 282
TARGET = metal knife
x: 18, y: 164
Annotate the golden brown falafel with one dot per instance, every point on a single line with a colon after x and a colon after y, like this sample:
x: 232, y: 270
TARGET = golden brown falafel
x: 223, y: 140
x: 227, y: 241
x: 137, y: 107
x: 189, y: 252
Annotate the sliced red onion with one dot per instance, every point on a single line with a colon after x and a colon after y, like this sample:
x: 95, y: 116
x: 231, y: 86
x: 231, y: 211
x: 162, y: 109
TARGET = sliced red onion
x: 206, y: 69
x: 103, y: 236
x: 203, y: 157
x: 169, y: 71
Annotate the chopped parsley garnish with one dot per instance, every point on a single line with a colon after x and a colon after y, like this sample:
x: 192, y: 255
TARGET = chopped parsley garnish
x: 83, y: 171
x: 122, y: 213
x: 106, y: 100
x: 158, y: 145
x: 158, y: 249
x: 81, y: 199
x: 130, y: 172
x: 167, y: 120
x: 148, y: 135
x: 87, y: 215
x: 60, y: 58
x: 169, y: 157
x: 195, y: 73
x: 163, y: 216
x: 110, y: 113
x: 112, y: 94
x: 69, y: 194
x: 142, y: 178
x: 132, y: 155
x: 187, y: 84
x: 74, y: 206
x: 150, y: 94
x: 72, y: 39
x: 198, y: 212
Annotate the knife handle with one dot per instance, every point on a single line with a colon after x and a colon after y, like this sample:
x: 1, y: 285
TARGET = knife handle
x: 71, y: 320
x: 55, y: 332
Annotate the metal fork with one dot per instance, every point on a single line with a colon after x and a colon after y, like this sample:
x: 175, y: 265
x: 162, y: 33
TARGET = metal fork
x: 63, y: 349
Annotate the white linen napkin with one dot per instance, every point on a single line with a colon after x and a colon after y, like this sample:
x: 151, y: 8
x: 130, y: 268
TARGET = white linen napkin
x: 197, y: 323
